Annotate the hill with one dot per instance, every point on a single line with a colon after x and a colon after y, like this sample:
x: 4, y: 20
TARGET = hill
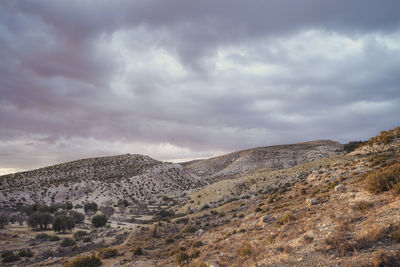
x: 272, y: 157
x: 105, y: 179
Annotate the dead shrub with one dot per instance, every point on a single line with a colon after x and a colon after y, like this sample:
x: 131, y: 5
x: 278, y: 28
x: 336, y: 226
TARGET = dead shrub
x: 372, y: 234
x: 383, y: 180
x: 362, y: 205
x: 383, y: 259
x: 286, y: 218
x: 339, y: 240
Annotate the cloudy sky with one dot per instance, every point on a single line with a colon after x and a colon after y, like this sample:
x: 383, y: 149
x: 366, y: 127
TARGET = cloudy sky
x: 192, y: 79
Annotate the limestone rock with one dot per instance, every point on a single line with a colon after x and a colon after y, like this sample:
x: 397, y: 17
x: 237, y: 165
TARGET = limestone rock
x: 312, y: 201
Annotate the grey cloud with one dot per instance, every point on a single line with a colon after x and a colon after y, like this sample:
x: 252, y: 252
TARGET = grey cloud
x: 91, y: 74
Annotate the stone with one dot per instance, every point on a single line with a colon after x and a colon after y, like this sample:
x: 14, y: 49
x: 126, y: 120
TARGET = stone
x: 265, y: 220
x: 199, y: 232
x: 340, y: 188
x: 312, y: 201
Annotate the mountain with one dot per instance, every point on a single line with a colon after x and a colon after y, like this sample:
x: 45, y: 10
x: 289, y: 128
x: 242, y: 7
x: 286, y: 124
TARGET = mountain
x: 104, y: 179
x: 272, y: 157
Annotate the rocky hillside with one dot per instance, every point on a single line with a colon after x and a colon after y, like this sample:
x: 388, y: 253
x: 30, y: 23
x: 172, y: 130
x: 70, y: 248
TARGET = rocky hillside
x: 272, y: 157
x: 104, y: 179
x: 343, y: 212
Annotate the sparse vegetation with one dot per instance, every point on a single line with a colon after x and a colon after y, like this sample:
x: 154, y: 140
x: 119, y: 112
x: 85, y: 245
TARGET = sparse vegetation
x: 84, y: 261
x: 67, y: 242
x: 106, y: 253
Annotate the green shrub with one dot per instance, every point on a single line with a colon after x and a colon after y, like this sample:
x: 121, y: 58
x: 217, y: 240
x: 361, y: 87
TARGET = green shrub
x: 67, y: 242
x: 54, y: 238
x: 99, y: 220
x: 84, y: 261
x: 189, y: 229
x: 137, y: 251
x: 79, y: 235
x: 106, y: 253
x: 258, y: 209
x: 362, y: 205
x: 87, y: 240
x: 246, y: 250
x: 10, y: 258
x: 383, y: 180
x: 181, y: 257
x: 5, y: 254
x: 25, y: 253
x: 91, y: 207
x: 42, y: 236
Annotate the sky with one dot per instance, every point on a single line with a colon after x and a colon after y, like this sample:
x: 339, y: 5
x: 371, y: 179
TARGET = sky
x: 179, y: 80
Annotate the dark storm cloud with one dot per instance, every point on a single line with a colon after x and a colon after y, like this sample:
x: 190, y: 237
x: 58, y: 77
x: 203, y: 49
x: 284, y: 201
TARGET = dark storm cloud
x: 180, y: 79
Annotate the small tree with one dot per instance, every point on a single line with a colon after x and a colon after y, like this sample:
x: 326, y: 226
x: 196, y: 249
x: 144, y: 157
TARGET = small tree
x: 62, y: 223
x: 99, y: 220
x: 108, y: 211
x: 122, y: 208
x: 3, y: 220
x: 68, y: 206
x: 77, y: 216
x: 123, y: 202
x: 41, y: 219
x: 91, y: 207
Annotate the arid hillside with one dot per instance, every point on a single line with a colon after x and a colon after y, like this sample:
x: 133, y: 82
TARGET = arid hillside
x: 344, y: 212
x: 339, y: 210
x: 106, y: 179
x: 272, y: 157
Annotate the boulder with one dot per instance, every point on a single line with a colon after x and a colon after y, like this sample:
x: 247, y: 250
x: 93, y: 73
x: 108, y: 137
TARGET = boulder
x: 312, y: 201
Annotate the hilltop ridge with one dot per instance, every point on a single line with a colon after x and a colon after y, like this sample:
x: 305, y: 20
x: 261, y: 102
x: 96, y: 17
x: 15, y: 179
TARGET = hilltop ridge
x: 271, y: 157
